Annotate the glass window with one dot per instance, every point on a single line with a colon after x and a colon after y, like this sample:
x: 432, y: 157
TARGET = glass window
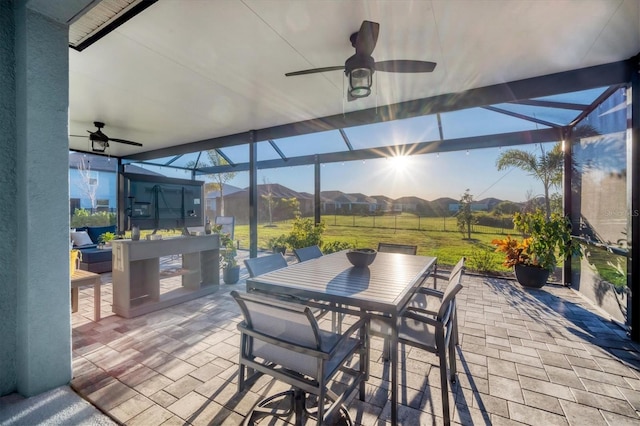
x: 479, y: 121
x: 557, y: 116
x: 397, y: 132
x: 313, y: 143
x: 599, y: 206
x: 238, y: 154
x: 92, y: 188
x: 583, y: 97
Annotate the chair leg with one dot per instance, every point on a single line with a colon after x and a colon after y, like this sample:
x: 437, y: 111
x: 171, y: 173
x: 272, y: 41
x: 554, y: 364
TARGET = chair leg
x: 452, y: 362
x: 454, y: 324
x: 444, y: 379
x: 364, y: 362
x: 241, y: 377
x: 321, y: 398
x: 386, y: 349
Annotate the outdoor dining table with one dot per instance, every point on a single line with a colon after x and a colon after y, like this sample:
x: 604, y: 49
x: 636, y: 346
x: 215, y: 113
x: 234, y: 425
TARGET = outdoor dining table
x: 383, y: 288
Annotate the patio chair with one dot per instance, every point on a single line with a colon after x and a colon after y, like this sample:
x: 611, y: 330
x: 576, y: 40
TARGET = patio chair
x: 307, y: 253
x: 397, y: 248
x: 431, y: 333
x: 262, y: 265
x: 283, y: 340
x: 428, y: 300
x: 313, y: 252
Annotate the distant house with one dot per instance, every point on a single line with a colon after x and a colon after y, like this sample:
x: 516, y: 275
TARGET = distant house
x: 95, y: 177
x: 339, y: 202
x: 383, y: 203
x: 212, y: 200
x: 237, y: 203
x: 409, y: 204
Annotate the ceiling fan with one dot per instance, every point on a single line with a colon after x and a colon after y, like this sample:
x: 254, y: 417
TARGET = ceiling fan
x: 360, y: 67
x: 100, y: 141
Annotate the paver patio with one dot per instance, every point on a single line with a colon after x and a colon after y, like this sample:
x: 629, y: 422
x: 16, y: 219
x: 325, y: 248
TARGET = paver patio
x: 525, y: 357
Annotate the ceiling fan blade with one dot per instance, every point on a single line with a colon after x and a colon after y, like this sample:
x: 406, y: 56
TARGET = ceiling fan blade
x: 78, y: 136
x: 402, y: 65
x: 315, y: 70
x: 367, y: 38
x: 125, y: 141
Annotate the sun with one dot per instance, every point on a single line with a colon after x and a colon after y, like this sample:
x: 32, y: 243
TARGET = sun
x: 399, y: 162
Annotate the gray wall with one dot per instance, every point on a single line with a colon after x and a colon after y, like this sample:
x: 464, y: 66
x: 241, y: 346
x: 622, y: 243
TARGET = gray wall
x: 35, y: 322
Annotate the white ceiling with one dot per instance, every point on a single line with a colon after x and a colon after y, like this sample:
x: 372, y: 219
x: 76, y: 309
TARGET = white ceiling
x: 186, y: 71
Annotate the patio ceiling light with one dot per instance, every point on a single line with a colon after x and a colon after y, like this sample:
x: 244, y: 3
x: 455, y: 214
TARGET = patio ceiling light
x: 360, y: 82
x: 359, y: 69
x: 99, y: 145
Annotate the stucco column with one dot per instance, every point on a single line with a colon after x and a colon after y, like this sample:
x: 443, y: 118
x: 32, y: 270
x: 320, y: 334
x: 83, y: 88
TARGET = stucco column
x: 8, y: 221
x: 41, y: 203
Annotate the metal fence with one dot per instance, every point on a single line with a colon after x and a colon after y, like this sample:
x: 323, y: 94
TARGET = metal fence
x: 418, y: 223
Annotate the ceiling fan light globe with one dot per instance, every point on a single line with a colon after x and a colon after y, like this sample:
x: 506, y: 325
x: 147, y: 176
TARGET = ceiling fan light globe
x: 98, y: 145
x: 360, y: 80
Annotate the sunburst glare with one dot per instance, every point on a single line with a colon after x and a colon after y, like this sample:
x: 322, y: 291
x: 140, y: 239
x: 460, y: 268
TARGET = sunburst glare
x: 400, y: 163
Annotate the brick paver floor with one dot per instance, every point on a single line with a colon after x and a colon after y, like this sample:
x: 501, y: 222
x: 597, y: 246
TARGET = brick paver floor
x: 536, y: 357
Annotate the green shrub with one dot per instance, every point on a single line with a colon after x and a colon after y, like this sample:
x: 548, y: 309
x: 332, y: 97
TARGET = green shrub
x: 82, y: 217
x: 279, y: 241
x: 482, y: 260
x: 305, y: 233
x: 503, y: 221
x: 335, y: 246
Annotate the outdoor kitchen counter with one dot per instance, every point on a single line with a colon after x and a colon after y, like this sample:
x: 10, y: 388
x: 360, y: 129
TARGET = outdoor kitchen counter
x: 136, y: 272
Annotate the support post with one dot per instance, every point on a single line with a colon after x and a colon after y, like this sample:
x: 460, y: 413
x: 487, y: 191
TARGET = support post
x: 123, y: 215
x: 316, y: 203
x: 633, y: 191
x: 253, y: 195
x: 567, y: 150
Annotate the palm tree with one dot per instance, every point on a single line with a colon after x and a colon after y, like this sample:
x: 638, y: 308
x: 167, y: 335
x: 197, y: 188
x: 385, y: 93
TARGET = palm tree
x: 547, y: 167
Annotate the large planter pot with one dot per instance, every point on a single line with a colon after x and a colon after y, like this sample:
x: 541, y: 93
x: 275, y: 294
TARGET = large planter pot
x: 531, y: 276
x: 231, y: 275
x: 280, y: 249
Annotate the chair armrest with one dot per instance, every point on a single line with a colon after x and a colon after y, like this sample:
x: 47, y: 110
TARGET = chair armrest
x: 425, y: 319
x: 422, y: 311
x: 282, y: 343
x: 431, y: 291
x: 344, y: 337
x: 440, y: 277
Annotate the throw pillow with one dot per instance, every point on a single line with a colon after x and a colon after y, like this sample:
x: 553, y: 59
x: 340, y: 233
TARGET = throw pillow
x: 80, y: 238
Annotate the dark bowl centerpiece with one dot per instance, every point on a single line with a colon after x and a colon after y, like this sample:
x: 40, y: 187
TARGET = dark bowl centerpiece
x: 361, y: 257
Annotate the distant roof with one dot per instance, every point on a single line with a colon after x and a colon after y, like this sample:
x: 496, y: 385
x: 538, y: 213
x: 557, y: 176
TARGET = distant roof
x: 226, y: 190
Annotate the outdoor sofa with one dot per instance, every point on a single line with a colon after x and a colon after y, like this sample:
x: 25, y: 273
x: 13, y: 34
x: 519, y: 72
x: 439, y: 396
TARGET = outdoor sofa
x: 93, y: 259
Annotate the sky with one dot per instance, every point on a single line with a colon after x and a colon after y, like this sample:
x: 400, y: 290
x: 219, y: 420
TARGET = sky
x: 428, y: 177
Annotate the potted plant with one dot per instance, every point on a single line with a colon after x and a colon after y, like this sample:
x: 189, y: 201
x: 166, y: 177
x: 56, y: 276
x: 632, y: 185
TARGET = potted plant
x: 228, y: 263
x: 536, y: 256
x: 106, y: 238
x: 279, y: 244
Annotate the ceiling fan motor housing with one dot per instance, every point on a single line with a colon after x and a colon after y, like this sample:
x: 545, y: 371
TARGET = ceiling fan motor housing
x: 98, y: 136
x: 359, y: 61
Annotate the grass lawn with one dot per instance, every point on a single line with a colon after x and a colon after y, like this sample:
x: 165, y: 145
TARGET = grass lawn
x: 448, y: 245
